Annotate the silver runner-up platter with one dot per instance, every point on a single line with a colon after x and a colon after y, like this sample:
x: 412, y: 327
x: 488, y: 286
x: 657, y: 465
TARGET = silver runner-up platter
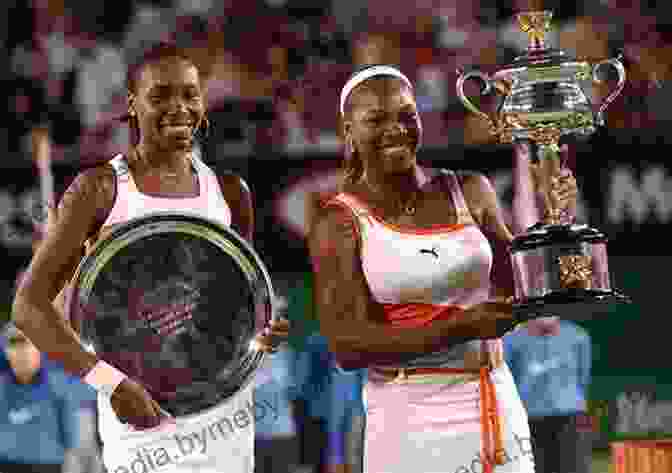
x: 175, y: 301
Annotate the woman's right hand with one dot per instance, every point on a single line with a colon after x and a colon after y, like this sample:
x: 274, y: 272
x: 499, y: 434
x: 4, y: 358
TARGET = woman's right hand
x: 134, y: 405
x: 492, y: 319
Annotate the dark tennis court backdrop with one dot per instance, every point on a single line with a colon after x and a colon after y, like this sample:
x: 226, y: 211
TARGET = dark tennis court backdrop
x: 625, y: 189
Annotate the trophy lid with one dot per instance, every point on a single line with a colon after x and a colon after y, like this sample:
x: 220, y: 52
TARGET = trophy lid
x: 536, y: 24
x: 541, y: 235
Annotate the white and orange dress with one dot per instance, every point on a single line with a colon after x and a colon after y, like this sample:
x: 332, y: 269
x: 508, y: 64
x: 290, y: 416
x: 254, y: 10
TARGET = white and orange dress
x: 455, y: 411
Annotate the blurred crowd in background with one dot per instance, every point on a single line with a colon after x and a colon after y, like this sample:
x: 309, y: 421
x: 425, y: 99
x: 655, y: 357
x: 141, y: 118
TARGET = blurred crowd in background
x: 274, y: 68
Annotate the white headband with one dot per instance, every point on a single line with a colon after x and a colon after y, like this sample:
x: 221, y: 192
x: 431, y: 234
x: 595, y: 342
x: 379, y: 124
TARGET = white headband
x: 366, y: 74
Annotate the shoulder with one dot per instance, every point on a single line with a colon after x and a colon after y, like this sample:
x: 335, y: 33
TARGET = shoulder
x: 479, y: 194
x: 233, y: 186
x: 91, y: 186
x: 333, y: 220
x: 93, y: 177
x: 333, y: 234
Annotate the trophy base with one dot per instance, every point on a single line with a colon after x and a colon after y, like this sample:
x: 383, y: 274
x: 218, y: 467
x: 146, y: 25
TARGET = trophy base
x: 570, y: 304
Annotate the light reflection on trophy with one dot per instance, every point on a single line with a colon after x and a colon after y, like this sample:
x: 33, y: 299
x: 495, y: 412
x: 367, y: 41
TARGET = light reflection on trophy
x: 560, y: 268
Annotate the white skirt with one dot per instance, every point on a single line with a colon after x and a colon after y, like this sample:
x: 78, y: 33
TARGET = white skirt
x: 436, y: 428
x: 217, y: 440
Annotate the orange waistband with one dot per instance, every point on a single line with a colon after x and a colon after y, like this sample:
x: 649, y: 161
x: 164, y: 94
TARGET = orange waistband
x: 406, y: 372
x: 491, y: 426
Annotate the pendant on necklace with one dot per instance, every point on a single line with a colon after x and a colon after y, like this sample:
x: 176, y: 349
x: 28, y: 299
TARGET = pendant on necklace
x: 409, y: 208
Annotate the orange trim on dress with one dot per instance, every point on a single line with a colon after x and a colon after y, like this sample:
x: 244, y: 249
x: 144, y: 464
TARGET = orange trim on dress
x: 413, y: 230
x: 345, y: 206
x: 417, y: 315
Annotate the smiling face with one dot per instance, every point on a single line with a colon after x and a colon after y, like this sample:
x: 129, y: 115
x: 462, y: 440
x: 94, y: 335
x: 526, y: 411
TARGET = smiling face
x: 169, y: 104
x: 383, y: 123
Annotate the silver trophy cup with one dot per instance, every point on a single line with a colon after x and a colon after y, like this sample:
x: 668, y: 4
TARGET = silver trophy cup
x: 560, y: 268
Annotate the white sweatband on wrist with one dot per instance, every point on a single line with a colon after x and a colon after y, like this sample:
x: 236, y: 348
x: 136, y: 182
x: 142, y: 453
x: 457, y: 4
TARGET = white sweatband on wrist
x: 366, y: 74
x: 104, y: 378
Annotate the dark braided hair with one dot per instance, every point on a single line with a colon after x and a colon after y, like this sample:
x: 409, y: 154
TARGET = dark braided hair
x: 153, y: 55
x: 353, y: 166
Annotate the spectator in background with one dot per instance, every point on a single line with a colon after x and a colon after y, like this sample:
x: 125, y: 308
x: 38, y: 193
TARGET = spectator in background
x: 39, y: 423
x: 276, y: 440
x: 149, y: 24
x: 550, y: 360
x: 345, y: 423
x: 313, y: 365
x: 101, y: 77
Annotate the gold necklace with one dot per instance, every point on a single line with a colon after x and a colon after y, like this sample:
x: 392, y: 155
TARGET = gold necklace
x: 407, y: 208
x: 162, y: 176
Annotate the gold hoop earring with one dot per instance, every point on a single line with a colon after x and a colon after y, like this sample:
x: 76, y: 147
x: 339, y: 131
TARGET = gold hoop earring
x: 206, y: 126
x: 203, y: 127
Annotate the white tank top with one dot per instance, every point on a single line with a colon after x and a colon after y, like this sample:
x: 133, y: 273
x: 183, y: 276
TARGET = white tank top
x: 130, y: 203
x: 422, y: 274
x: 219, y: 437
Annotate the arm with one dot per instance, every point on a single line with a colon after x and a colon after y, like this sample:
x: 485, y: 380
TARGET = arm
x: 483, y: 204
x: 349, y: 317
x: 80, y: 209
x: 239, y: 198
x: 525, y: 209
x: 484, y: 207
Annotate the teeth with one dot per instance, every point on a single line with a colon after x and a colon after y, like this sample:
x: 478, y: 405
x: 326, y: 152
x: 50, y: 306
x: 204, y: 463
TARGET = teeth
x: 178, y: 128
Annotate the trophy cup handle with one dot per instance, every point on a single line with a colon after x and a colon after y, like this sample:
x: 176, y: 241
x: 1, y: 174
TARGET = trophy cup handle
x: 486, y: 83
x: 616, y: 63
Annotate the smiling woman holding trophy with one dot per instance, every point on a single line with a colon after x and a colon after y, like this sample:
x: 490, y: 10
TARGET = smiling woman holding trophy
x: 402, y: 287
x: 403, y: 270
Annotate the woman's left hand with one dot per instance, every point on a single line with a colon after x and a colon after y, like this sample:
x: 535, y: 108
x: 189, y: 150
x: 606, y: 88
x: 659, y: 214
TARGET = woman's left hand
x: 273, y: 336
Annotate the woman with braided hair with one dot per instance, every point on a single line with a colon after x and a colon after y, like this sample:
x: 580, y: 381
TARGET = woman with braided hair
x: 166, y: 108
x: 402, y: 287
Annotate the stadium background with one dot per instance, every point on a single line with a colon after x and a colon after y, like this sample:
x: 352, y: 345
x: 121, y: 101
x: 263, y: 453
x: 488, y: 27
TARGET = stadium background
x: 274, y: 71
